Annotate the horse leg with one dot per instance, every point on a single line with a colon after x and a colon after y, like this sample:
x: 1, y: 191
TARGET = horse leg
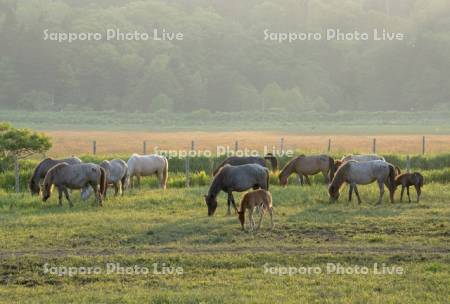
x: 300, y: 178
x: 418, y: 191
x: 123, y: 184
x: 66, y: 193
x: 60, y: 194
x: 250, y: 217
x: 261, y: 211
x: 401, y: 193
x: 271, y: 217
x: 381, y: 186
x: 229, y: 203
x: 308, y: 182
x: 138, y: 178
x: 116, y: 188
x: 357, y: 194
x: 407, y: 192
x: 234, y: 203
x: 350, y: 193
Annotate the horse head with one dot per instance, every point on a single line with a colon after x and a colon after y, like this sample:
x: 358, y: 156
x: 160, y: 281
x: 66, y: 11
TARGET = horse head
x: 34, y: 187
x: 283, y: 179
x: 211, y: 202
x: 333, y: 191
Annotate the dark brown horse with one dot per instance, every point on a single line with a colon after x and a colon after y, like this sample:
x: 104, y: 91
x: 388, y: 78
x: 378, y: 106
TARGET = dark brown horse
x: 244, y: 160
x: 42, y: 168
x: 236, y: 178
x: 407, y: 180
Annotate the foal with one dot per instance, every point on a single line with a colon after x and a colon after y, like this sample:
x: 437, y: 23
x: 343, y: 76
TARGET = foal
x: 407, y: 180
x: 260, y: 199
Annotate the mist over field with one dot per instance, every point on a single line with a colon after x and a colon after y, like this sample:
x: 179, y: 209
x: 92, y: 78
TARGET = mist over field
x: 225, y: 56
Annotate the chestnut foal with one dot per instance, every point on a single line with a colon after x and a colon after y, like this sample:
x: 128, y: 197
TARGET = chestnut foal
x: 407, y: 180
x: 260, y: 199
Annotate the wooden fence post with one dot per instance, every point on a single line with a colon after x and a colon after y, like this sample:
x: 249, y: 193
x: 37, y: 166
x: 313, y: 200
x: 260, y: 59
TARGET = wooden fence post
x: 281, y: 144
x: 236, y: 146
x: 423, y: 145
x: 329, y: 145
x: 144, y: 147
x: 408, y: 164
x: 374, y: 146
x: 186, y: 167
x: 94, y: 147
x: 192, y: 145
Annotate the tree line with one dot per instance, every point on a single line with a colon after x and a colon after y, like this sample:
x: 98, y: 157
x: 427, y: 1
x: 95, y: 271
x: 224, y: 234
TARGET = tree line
x: 224, y: 63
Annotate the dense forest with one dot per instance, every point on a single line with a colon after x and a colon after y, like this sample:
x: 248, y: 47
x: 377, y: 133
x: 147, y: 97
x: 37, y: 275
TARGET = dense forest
x: 224, y: 63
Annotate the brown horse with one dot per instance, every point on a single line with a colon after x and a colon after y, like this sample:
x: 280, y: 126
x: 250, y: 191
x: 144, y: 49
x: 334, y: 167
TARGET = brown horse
x: 363, y: 173
x: 260, y: 199
x: 65, y: 176
x: 42, y: 168
x: 308, y: 165
x: 407, y: 180
x: 244, y: 160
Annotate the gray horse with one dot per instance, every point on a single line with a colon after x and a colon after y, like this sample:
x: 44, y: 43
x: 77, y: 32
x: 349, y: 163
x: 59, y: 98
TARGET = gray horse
x: 236, y: 178
x: 244, y: 160
x: 116, y: 175
x: 42, y: 168
x: 64, y: 176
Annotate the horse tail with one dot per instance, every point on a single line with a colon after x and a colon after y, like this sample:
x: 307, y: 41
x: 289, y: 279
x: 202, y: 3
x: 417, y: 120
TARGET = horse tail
x: 273, y: 161
x: 331, y: 167
x: 165, y: 173
x: 419, y: 178
x: 392, y: 175
x: 398, y: 170
x: 102, y: 181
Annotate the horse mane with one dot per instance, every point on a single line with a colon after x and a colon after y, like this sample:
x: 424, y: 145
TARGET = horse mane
x: 48, y: 180
x: 220, y: 166
x: 339, y: 176
x: 32, y: 182
x: 288, y: 168
x: 216, y: 183
x: 331, y: 167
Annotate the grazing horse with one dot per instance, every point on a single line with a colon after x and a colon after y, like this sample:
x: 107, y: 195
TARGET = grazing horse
x: 42, y: 168
x: 243, y: 160
x: 260, y: 199
x: 360, y: 158
x: 363, y: 173
x: 308, y: 165
x: 407, y: 180
x: 146, y: 165
x: 64, y: 176
x: 116, y: 175
x: 236, y: 178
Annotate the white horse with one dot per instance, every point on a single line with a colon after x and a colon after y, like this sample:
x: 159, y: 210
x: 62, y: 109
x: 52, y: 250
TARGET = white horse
x: 362, y: 158
x: 363, y: 173
x: 116, y: 175
x: 146, y: 165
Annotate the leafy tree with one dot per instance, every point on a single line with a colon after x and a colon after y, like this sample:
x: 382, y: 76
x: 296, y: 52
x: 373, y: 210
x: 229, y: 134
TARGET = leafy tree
x: 17, y: 144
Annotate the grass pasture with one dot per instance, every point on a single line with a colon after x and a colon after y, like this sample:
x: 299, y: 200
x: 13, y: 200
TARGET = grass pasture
x: 222, y: 264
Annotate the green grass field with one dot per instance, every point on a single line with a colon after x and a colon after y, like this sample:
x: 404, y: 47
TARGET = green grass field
x: 221, y: 263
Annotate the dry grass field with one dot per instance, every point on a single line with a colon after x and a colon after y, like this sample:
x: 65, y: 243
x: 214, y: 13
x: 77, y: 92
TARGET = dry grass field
x: 110, y: 142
